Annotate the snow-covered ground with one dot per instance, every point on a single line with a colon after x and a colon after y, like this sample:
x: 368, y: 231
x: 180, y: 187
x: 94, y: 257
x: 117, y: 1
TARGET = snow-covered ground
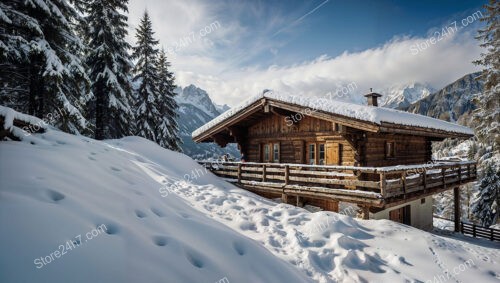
x: 168, y: 220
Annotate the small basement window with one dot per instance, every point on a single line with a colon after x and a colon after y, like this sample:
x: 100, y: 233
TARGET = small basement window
x: 389, y: 149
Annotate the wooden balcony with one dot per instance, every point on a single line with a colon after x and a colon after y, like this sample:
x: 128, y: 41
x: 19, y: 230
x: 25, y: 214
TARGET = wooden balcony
x: 380, y: 187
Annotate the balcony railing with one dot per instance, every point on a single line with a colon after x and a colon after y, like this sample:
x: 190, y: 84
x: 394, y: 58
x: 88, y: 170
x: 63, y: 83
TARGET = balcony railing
x: 365, y: 183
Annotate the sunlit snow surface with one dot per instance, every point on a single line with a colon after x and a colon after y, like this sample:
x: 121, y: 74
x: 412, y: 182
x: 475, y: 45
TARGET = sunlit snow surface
x: 203, y: 230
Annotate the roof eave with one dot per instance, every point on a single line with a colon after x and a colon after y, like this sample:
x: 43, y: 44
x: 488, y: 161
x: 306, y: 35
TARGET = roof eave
x: 421, y: 131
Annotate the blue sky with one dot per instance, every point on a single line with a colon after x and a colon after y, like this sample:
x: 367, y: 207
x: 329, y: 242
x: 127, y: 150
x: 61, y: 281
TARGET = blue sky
x: 310, y: 47
x: 338, y: 26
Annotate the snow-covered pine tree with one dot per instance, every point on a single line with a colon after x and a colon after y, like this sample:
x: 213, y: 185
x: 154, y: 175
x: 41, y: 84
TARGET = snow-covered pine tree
x: 146, y: 75
x: 13, y: 59
x: 40, y: 47
x: 487, y: 118
x: 167, y: 132
x: 487, y: 115
x: 487, y: 200
x: 109, y: 66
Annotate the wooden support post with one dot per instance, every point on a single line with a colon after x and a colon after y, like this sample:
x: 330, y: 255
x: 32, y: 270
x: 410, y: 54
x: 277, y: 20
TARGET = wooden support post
x: 456, y: 198
x: 382, y: 184
x: 264, y: 173
x: 300, y: 202
x: 424, y: 180
x: 403, y: 179
x: 287, y: 174
x: 459, y: 174
x: 443, y: 179
x: 239, y: 173
x: 284, y: 198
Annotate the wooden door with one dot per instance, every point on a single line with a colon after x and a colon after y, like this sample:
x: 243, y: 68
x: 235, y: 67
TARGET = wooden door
x: 396, y: 215
x: 401, y: 215
x: 332, y: 153
x: 299, y: 151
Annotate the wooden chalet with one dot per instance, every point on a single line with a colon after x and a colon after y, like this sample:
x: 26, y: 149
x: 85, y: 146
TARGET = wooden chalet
x: 334, y: 154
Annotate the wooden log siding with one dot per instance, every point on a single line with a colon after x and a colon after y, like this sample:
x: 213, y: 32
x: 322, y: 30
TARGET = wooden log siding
x: 407, y: 150
x: 384, y: 182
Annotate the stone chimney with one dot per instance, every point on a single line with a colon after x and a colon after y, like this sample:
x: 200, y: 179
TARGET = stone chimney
x: 372, y: 98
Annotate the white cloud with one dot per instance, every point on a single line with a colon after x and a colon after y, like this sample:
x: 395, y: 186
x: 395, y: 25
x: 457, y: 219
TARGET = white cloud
x: 379, y: 68
x: 222, y: 64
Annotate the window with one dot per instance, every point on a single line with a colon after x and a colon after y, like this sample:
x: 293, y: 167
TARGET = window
x: 389, y: 150
x: 276, y: 153
x: 422, y: 201
x: 312, y: 154
x: 267, y: 153
x: 321, y: 154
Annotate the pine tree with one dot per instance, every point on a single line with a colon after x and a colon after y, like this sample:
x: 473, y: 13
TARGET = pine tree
x: 13, y: 59
x: 167, y: 132
x: 146, y: 75
x: 109, y: 67
x: 487, y: 200
x: 42, y: 71
x: 487, y: 115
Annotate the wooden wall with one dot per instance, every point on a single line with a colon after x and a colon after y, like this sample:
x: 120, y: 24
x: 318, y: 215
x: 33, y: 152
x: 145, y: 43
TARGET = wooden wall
x: 294, y: 140
x: 408, y: 150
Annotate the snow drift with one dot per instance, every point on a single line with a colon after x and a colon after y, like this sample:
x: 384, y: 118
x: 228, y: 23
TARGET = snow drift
x: 64, y: 186
x: 168, y: 220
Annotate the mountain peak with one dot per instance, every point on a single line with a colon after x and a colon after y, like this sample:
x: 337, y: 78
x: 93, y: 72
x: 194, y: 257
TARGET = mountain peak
x: 196, y: 96
x: 402, y: 95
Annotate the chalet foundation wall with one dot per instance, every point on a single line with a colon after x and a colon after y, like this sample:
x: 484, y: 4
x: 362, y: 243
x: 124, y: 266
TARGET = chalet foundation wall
x: 420, y: 213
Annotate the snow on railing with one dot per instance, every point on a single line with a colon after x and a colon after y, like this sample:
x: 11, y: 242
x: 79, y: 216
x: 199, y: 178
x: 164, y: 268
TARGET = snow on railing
x: 389, y: 181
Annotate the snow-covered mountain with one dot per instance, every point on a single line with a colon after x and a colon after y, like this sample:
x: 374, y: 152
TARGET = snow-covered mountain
x: 452, y: 103
x: 196, y: 109
x: 222, y: 108
x: 402, y: 95
x: 194, y: 95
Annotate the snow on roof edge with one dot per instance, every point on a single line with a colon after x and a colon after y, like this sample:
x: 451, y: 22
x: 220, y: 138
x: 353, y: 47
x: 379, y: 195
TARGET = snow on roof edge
x: 366, y: 113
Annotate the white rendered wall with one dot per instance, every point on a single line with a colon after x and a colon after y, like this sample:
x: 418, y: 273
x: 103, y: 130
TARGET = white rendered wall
x: 421, y: 214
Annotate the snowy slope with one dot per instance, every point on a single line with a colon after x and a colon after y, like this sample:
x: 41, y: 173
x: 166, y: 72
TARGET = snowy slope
x: 402, y: 95
x: 63, y: 186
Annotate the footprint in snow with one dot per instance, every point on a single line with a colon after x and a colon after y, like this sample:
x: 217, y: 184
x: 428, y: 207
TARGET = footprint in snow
x: 140, y: 213
x: 160, y: 241
x: 194, y: 258
x: 55, y: 196
x: 239, y: 248
x: 157, y: 212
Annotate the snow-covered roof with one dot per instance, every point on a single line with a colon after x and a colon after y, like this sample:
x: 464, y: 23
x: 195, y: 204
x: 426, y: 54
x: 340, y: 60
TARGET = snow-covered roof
x: 371, y: 114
